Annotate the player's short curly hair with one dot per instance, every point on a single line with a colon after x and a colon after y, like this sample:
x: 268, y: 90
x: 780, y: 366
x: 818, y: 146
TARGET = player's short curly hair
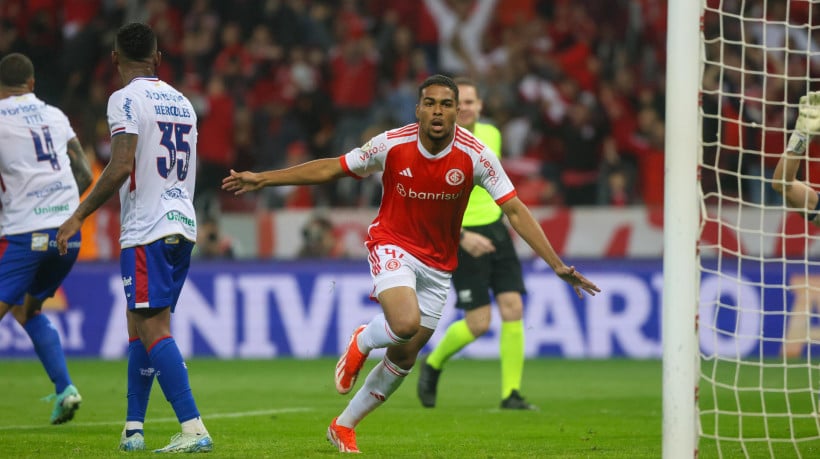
x: 15, y: 70
x: 439, y: 80
x: 135, y: 41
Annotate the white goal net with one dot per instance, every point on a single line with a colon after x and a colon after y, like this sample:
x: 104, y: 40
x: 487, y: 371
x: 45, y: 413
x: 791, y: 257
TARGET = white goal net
x: 759, y: 264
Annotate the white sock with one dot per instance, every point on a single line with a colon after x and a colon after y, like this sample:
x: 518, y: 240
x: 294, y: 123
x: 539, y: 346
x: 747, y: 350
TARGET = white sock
x: 133, y: 425
x: 377, y: 335
x: 194, y: 426
x: 381, y: 382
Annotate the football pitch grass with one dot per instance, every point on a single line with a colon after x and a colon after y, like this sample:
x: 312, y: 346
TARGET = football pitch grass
x: 281, y: 408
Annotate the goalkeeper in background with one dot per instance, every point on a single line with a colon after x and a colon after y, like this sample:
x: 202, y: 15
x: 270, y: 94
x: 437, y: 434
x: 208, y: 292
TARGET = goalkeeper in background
x: 486, y: 261
x: 798, y: 194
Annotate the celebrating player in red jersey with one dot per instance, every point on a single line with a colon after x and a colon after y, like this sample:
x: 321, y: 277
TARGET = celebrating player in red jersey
x: 429, y: 169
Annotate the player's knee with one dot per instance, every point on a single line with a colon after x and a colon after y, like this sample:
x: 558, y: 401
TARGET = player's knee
x: 23, y: 314
x: 403, y: 357
x: 478, y: 320
x: 479, y: 328
x: 404, y: 329
x: 510, y: 306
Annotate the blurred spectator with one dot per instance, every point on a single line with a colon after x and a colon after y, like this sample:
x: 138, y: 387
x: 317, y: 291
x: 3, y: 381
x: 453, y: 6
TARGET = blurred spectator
x: 200, y: 33
x: 767, y: 138
x: 651, y: 165
x: 353, y: 72
x: 261, y: 46
x: 617, y: 191
x: 89, y: 245
x: 319, y: 239
x: 166, y: 20
x: 616, y: 185
x: 780, y: 34
x: 234, y: 62
x: 215, y: 147
x: 581, y: 134
x: 537, y: 189
x: 293, y: 196
x: 559, y: 78
x: 402, y: 68
x: 211, y: 243
x: 462, y: 27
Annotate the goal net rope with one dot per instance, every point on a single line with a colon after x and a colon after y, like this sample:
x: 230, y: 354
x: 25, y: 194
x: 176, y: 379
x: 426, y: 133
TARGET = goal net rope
x: 759, y: 294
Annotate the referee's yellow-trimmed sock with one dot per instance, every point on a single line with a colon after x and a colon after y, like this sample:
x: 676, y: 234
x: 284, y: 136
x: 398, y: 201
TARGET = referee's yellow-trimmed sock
x: 455, y: 338
x: 511, y: 353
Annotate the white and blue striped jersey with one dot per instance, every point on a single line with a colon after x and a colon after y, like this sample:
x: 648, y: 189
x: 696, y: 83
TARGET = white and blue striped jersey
x: 157, y: 199
x: 36, y: 184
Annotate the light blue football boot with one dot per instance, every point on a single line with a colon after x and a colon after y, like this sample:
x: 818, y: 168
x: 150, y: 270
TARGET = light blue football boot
x: 188, y: 443
x: 65, y: 404
x: 135, y: 442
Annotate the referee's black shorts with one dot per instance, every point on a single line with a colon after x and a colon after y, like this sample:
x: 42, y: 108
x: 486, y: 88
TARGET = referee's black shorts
x: 499, y: 271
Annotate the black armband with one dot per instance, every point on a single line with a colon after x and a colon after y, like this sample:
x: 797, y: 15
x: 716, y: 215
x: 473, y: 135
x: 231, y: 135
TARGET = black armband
x: 810, y: 215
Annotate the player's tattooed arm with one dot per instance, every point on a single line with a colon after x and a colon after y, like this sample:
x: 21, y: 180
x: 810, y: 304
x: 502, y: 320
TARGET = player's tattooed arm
x: 79, y: 165
x: 123, y: 151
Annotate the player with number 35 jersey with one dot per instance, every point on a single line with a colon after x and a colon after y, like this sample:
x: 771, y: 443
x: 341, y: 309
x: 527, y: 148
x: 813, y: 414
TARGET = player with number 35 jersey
x: 153, y: 165
x: 166, y: 160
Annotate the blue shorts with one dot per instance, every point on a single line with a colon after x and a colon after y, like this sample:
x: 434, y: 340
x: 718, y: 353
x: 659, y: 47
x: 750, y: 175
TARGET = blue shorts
x: 153, y: 274
x: 30, y: 263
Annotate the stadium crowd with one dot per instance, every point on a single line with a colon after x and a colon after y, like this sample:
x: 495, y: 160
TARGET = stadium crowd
x: 576, y: 87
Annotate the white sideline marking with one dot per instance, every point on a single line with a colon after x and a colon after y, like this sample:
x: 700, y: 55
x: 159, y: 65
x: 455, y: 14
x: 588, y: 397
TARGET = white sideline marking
x: 240, y: 414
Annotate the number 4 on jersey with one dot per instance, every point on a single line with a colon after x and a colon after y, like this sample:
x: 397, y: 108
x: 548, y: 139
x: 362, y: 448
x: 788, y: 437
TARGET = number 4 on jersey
x: 45, y: 152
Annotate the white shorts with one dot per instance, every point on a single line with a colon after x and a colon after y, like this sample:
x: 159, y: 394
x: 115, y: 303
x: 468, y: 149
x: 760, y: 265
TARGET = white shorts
x: 391, y: 266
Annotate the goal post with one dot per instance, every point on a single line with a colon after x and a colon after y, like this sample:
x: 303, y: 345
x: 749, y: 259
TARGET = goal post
x: 741, y: 293
x: 681, y: 223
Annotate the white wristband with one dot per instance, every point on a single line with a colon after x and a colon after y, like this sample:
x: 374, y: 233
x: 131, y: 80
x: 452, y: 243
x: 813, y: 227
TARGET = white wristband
x: 797, y: 143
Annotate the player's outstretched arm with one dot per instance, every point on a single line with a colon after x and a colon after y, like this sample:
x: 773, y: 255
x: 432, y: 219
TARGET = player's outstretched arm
x: 527, y: 227
x: 797, y: 194
x: 309, y: 173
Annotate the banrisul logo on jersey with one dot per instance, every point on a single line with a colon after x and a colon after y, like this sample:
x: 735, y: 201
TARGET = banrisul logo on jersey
x: 426, y: 195
x: 176, y: 216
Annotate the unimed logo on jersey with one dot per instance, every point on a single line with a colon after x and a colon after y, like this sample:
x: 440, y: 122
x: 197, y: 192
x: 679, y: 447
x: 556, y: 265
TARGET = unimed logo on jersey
x: 176, y: 216
x: 51, y: 209
x: 427, y: 195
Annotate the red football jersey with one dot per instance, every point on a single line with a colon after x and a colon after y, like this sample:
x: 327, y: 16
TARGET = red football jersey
x: 424, y: 195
